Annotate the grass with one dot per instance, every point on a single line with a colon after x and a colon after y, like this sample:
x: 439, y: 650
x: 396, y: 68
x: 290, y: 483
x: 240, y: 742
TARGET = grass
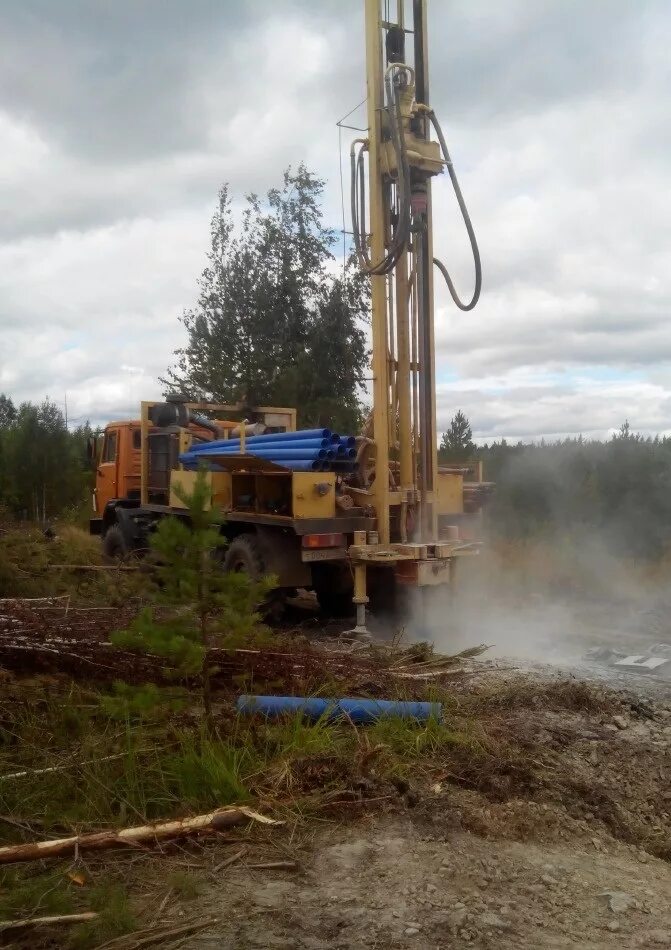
x: 160, y: 770
x: 111, y: 773
x: 184, y: 884
x: 29, y: 891
x: 31, y: 566
x: 116, y: 917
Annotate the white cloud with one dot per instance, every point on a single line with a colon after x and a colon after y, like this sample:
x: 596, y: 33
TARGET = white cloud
x: 119, y: 124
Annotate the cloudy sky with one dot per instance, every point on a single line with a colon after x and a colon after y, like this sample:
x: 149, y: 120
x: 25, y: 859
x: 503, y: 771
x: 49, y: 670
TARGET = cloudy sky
x: 119, y: 119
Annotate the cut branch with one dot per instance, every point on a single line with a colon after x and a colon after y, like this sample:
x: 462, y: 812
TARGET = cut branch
x: 214, y: 820
x: 30, y: 922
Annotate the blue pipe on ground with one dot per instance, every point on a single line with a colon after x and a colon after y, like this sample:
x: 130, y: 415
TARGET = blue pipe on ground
x: 357, y: 710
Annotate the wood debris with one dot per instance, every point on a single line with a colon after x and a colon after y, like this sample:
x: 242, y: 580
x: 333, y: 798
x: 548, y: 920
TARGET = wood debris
x: 214, y: 820
x: 8, y: 926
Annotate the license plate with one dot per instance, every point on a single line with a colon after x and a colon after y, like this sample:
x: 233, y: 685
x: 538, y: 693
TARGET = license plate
x: 324, y: 554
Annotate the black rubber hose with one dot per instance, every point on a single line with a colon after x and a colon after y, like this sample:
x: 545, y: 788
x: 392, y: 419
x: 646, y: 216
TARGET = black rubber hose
x: 467, y: 221
x: 357, y: 194
x: 356, y: 161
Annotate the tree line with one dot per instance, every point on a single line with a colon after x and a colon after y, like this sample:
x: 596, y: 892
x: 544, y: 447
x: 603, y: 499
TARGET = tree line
x: 616, y: 491
x: 44, y: 467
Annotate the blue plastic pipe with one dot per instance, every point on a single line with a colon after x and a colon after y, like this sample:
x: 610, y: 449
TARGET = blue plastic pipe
x: 293, y: 436
x: 292, y: 465
x: 234, y: 443
x: 357, y: 710
x: 348, y: 441
x: 299, y: 436
x: 263, y: 452
x: 234, y: 446
x: 307, y: 455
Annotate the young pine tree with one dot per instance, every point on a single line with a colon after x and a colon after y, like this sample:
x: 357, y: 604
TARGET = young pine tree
x: 203, y: 606
x: 457, y: 443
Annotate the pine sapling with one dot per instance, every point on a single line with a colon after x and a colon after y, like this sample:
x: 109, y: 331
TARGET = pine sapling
x: 201, y: 605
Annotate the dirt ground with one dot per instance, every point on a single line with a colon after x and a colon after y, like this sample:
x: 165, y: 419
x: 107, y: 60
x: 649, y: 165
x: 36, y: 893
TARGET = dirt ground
x: 563, y: 839
x: 565, y: 863
x: 413, y: 882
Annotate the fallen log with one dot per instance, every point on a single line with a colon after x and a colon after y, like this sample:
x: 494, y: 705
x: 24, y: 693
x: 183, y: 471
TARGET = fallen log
x: 10, y: 925
x: 213, y: 821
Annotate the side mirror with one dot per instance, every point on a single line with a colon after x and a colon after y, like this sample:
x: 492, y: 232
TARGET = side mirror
x: 92, y: 449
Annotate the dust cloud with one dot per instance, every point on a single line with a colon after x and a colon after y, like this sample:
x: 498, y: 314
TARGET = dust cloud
x: 547, y: 601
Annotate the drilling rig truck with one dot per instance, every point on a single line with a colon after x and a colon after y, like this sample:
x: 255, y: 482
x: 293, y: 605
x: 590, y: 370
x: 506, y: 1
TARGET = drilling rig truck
x: 354, y: 518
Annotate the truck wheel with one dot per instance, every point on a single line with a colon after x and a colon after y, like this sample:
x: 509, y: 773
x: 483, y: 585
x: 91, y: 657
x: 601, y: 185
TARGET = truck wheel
x: 243, y: 555
x: 114, y: 546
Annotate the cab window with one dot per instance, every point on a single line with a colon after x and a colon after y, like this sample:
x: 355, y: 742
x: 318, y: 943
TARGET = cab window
x: 137, y: 438
x: 109, y: 448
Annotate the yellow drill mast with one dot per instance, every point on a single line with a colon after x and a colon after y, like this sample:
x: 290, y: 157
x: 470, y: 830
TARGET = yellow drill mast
x: 396, y: 249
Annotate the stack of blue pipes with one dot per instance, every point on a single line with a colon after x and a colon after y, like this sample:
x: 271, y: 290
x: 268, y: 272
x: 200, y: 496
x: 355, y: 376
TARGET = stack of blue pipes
x: 308, y: 450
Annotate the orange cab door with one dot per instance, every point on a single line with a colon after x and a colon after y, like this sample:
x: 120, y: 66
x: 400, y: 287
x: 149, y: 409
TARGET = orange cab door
x: 107, y: 478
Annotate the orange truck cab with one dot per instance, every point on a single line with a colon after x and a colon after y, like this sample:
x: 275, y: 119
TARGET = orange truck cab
x: 118, y: 470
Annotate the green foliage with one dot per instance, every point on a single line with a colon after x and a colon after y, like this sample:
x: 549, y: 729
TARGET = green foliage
x: 147, y: 702
x: 112, y: 903
x: 203, y: 605
x: 173, y: 637
x: 208, y: 774
x: 618, y: 491
x: 274, y: 325
x: 23, y: 893
x: 43, y: 465
x: 457, y: 443
x: 405, y: 740
x: 31, y: 565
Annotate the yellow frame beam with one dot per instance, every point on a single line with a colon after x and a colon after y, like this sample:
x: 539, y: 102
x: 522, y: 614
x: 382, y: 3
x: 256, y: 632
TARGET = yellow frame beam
x: 374, y: 88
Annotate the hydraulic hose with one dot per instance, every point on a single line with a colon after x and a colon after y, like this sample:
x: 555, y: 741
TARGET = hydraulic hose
x: 467, y: 221
x: 402, y: 230
x: 356, y: 195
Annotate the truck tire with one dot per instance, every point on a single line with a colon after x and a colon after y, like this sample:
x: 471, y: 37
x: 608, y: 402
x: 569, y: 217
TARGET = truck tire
x: 114, y: 546
x: 243, y: 555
